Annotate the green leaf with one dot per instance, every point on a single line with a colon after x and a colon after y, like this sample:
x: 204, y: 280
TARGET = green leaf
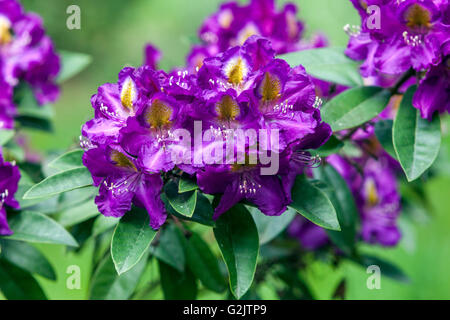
x: 36, y: 227
x: 27, y: 258
x: 5, y: 136
x: 131, y: 239
x: 108, y: 285
x: 177, y: 285
x: 342, y: 199
x: 311, y: 202
x: 183, y: 203
x: 61, y: 182
x: 68, y: 160
x: 238, y: 241
x: 78, y: 213
x: 332, y: 146
x: 186, y: 184
x: 28, y: 106
x: 387, y: 268
x: 354, y: 107
x: 383, y: 132
x: 204, y: 264
x: 17, y: 284
x: 329, y: 64
x: 269, y: 227
x: 72, y: 63
x: 170, y: 248
x: 76, y: 197
x: 25, y: 183
x: 103, y: 224
x: 203, y: 211
x: 416, y: 141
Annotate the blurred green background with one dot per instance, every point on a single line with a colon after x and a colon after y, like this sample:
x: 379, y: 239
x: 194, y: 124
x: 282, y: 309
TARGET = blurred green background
x: 114, y: 32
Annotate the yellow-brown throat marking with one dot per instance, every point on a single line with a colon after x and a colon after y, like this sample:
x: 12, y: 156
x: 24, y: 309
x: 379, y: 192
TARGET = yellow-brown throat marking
x: 372, y: 194
x: 236, y: 72
x: 270, y: 89
x: 227, y: 109
x: 121, y: 160
x: 418, y: 18
x: 158, y: 114
x: 5, y: 31
x: 128, y: 94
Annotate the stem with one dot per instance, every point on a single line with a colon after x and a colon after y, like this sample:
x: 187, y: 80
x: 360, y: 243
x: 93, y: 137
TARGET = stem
x: 403, y: 79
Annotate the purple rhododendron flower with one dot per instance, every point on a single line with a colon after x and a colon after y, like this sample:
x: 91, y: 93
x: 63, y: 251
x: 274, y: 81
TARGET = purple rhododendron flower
x: 122, y: 182
x: 412, y: 35
x: 115, y: 102
x: 136, y: 131
x: 9, y: 180
x: 261, y: 92
x: 433, y: 92
x: 26, y: 53
x: 233, y: 24
x: 376, y: 194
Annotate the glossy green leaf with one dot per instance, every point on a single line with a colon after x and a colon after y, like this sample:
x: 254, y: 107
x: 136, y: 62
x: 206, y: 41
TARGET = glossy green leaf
x: 170, y: 248
x: 108, y: 285
x: 72, y: 63
x: 329, y: 64
x: 25, y: 183
x: 342, y: 199
x: 177, y: 285
x: 332, y: 146
x: 183, y: 203
x: 78, y: 214
x: 204, y: 264
x: 103, y: 224
x: 17, y: 284
x: 270, y: 226
x: 311, y: 202
x: 186, y: 184
x: 28, y: 106
x: 27, y: 258
x: 416, y: 141
x: 238, y: 241
x: 354, y: 107
x: 131, y: 239
x: 61, y: 182
x: 203, y: 212
x: 68, y: 160
x: 36, y: 227
x: 383, y: 132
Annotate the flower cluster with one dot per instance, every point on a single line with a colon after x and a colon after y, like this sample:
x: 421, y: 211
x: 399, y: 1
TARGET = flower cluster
x: 238, y: 125
x: 9, y: 179
x: 233, y: 24
x: 411, y: 35
x: 26, y: 56
x: 371, y: 178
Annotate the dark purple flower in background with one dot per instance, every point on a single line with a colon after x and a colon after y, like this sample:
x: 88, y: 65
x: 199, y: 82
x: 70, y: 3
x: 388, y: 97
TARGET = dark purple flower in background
x: 9, y: 180
x: 26, y: 52
x: 233, y: 24
x: 122, y: 182
x: 376, y: 194
x: 310, y: 235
